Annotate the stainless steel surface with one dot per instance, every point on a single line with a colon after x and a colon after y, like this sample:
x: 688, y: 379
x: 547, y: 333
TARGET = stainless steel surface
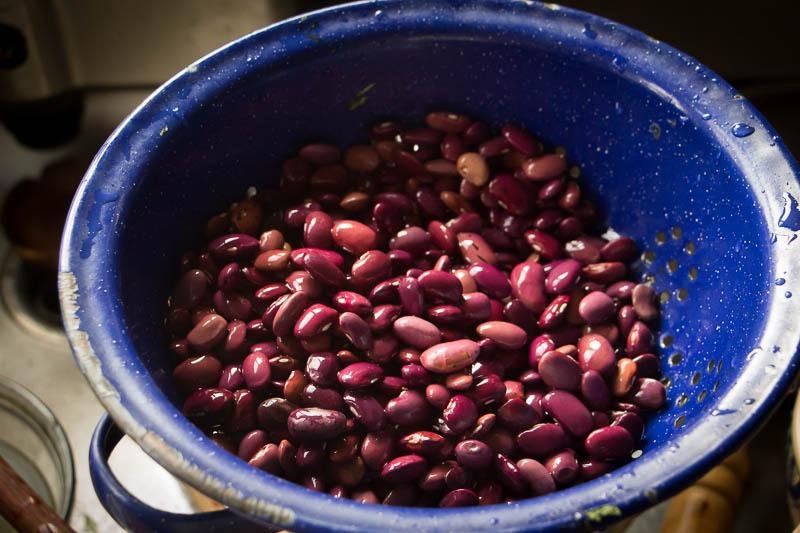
x: 124, y: 43
x: 34, y: 352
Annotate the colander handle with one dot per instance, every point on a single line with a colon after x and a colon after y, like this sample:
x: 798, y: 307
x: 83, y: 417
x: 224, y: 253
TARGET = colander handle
x: 132, y: 513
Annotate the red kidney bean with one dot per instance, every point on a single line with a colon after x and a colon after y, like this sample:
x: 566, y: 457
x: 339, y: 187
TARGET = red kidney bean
x: 251, y: 443
x: 609, y: 443
x: 403, y: 469
x: 494, y: 147
x: 356, y: 330
x: 643, y: 297
x: 521, y: 140
x: 624, y: 377
x: 256, y: 371
x: 537, y: 476
x: 416, y: 332
x: 649, y: 394
x: 372, y: 265
x: 544, y: 167
x: 314, y: 396
x: 231, y: 377
x: 313, y: 423
x: 321, y: 369
x: 409, y: 408
x: 208, y: 332
x: 425, y: 443
x: 447, y: 122
x: 415, y: 375
x: 366, y: 410
x: 639, y: 341
x: 473, y: 167
x: 568, y: 411
x: 543, y: 243
x: 488, y: 390
x: 317, y: 230
x: 198, y: 372
x: 450, y: 357
x: 596, y: 307
x: 320, y: 154
x: 511, y: 194
x: 267, y: 459
x: 452, y: 147
x: 474, y: 248
x: 563, y: 467
x: 621, y: 290
x: 315, y: 320
x: 413, y: 240
x: 509, y: 475
x: 243, y: 417
x: 383, y: 316
x: 505, y: 334
x: 631, y: 422
x: 516, y: 415
x: 209, y: 406
x: 595, y: 390
x: 596, y: 353
x: 622, y: 249
x: 562, y: 278
x: 459, y: 498
x: 542, y: 440
x: 459, y: 414
x: 437, y: 395
x: 476, y: 307
x: 445, y: 315
x: 234, y: 247
x: 560, y: 371
x: 491, y: 280
x: 527, y: 284
x: 555, y: 313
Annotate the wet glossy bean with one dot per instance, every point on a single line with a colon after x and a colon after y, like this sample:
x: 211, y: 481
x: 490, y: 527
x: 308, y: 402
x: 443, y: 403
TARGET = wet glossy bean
x: 409, y: 408
x: 314, y: 320
x: 643, y: 298
x: 609, y: 443
x: 490, y: 280
x: 450, y: 357
x: 563, y: 467
x: 596, y: 353
x: 416, y: 332
x: 560, y: 371
x: 569, y: 411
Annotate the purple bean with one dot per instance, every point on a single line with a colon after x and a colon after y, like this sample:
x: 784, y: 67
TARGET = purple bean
x: 313, y: 423
x: 426, y: 443
x: 632, y: 422
x: 442, y: 285
x: 554, y: 314
x: 365, y: 409
x: 321, y: 369
x: 560, y: 371
x: 516, y: 415
x: 488, y: 390
x: 609, y: 443
x: 384, y: 347
x: 649, y: 394
x: 562, y: 278
x: 437, y: 395
x: 209, y: 406
x: 317, y: 230
x: 356, y: 330
x: 596, y: 308
x: 234, y: 247
x: 198, y: 372
x: 596, y: 353
x: 543, y: 243
x: 623, y: 249
x: 314, y: 320
x: 459, y: 498
x: 446, y: 315
x: 459, y: 414
x: 542, y: 440
x: 506, y: 335
x: 209, y: 332
x: 643, y: 298
x: 415, y: 375
x: 325, y: 398
x: 527, y: 284
x: 511, y: 194
x: 409, y: 408
x: 568, y: 411
x: 450, y: 357
x: 403, y: 469
x: 256, y: 371
x: 474, y: 248
x: 510, y: 476
x: 594, y: 390
x: 563, y: 467
x: 417, y: 332
x: 300, y: 255
x: 639, y: 341
x: 490, y: 280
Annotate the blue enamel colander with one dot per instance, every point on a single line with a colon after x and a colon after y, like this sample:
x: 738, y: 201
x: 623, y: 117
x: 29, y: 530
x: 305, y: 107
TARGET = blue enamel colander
x: 676, y: 158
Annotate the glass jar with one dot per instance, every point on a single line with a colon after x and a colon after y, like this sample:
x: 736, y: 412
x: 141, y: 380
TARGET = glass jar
x: 33, y: 442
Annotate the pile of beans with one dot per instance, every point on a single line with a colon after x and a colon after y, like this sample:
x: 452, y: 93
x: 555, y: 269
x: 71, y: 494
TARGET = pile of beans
x: 430, y: 319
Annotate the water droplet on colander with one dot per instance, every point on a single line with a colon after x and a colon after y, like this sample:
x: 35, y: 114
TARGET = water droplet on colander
x: 589, y: 32
x: 705, y: 116
x: 494, y: 521
x: 770, y: 369
x: 617, y: 108
x: 788, y: 294
x: 780, y: 281
x: 742, y: 129
x: 705, y: 90
x: 749, y: 401
x: 684, y: 119
x: 790, y: 217
x: 620, y: 63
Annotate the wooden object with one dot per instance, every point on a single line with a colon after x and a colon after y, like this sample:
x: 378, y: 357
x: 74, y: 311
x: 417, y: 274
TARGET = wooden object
x: 23, y: 508
x: 710, y: 504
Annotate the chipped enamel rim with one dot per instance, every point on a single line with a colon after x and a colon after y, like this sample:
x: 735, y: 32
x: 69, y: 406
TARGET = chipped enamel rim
x: 105, y: 353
